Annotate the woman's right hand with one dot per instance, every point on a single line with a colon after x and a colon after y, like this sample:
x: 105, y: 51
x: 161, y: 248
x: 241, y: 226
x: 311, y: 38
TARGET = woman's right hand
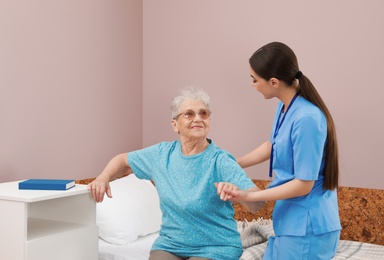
x: 98, y: 188
x: 116, y: 168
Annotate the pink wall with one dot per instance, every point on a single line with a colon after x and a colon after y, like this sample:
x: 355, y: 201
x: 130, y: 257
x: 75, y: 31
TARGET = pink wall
x: 76, y: 87
x: 339, y: 45
x: 70, y: 86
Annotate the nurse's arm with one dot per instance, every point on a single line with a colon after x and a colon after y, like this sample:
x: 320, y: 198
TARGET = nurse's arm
x: 254, y: 206
x: 291, y: 189
x: 258, y: 155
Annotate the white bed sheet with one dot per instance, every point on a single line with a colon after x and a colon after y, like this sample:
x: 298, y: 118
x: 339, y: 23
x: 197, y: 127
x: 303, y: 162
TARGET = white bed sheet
x: 138, y: 250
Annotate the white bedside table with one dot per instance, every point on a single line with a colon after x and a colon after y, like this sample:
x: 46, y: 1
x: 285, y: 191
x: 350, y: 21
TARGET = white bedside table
x: 47, y: 225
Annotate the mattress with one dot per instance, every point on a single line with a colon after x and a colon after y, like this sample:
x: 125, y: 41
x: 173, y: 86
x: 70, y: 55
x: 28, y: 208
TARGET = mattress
x: 346, y: 250
x: 255, y: 235
x: 138, y: 250
x: 254, y: 239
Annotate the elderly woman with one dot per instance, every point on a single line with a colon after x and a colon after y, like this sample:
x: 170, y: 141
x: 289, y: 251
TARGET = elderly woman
x: 190, y: 176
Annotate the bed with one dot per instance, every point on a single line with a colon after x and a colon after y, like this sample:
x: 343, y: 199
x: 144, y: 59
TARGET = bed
x: 361, y: 213
x: 140, y: 248
x: 256, y: 233
x: 136, y: 250
x: 129, y: 223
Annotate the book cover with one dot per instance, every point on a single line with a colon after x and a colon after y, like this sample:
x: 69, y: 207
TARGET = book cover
x: 46, y: 184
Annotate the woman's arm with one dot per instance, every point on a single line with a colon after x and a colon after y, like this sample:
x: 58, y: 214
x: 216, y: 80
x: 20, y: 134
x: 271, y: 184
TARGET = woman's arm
x: 116, y: 168
x: 259, y: 155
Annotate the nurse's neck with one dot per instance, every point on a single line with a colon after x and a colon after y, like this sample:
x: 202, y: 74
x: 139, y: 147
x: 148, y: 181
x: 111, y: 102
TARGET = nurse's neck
x: 287, y: 97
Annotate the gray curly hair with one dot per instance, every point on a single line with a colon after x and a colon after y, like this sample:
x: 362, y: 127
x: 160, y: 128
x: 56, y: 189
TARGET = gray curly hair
x: 188, y: 93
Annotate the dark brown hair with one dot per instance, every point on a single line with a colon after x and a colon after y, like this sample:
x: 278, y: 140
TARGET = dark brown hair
x: 277, y: 60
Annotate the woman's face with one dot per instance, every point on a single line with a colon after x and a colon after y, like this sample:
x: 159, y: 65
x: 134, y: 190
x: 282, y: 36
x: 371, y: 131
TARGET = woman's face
x: 264, y: 87
x: 193, y: 127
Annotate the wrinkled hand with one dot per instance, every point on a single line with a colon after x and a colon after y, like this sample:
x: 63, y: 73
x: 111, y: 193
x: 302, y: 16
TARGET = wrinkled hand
x: 98, y: 188
x: 221, y: 186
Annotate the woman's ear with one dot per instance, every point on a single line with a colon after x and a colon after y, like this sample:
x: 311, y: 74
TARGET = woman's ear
x: 174, y: 126
x: 274, y: 82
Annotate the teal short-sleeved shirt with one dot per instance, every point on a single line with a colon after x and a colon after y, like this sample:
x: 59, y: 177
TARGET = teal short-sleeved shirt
x: 195, y: 221
x: 298, y: 153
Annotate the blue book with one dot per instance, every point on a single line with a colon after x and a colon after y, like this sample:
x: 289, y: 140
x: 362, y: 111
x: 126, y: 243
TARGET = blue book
x: 46, y: 184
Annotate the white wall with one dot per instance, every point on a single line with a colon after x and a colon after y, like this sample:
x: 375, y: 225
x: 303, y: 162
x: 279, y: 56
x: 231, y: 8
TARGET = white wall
x: 70, y: 86
x: 208, y: 43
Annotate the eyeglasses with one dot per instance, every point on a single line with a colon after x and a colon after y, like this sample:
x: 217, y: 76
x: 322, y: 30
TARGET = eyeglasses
x: 190, y: 114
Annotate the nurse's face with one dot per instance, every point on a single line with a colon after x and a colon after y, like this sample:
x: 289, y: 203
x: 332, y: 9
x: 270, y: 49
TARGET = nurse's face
x: 263, y: 86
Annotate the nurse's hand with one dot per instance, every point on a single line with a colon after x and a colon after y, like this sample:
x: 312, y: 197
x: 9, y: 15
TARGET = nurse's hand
x: 239, y: 195
x: 221, y: 186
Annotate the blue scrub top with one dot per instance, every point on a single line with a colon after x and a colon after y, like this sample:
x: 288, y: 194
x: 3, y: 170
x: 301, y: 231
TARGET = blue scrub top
x: 195, y: 221
x: 298, y: 153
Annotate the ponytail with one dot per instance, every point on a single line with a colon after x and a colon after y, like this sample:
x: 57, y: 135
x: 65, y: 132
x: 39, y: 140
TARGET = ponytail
x: 331, y: 170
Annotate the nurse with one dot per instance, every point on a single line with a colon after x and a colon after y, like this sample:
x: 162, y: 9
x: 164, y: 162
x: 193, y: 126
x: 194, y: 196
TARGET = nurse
x: 303, y: 157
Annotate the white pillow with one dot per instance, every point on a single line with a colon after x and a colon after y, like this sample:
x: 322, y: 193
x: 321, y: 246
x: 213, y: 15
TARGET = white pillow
x: 132, y: 212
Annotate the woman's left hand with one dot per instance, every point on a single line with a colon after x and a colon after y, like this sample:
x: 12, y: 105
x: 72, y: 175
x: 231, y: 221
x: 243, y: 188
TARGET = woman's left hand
x: 221, y: 186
